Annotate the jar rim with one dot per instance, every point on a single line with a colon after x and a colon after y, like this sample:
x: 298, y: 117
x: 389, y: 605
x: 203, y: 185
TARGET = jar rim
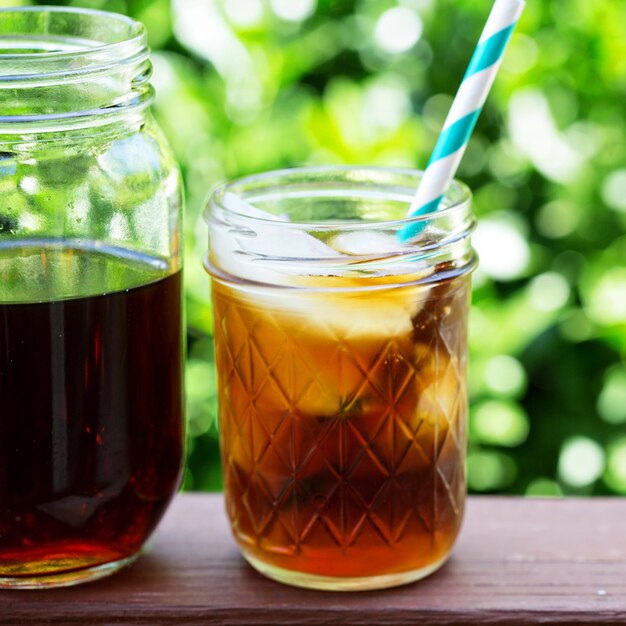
x: 250, y: 187
x: 346, y: 218
x: 47, y: 50
x: 136, y: 33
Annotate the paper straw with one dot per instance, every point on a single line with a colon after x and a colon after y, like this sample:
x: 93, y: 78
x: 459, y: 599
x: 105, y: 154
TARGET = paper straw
x: 464, y: 112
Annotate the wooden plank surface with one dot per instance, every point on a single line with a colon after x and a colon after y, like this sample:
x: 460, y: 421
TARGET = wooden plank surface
x: 517, y: 562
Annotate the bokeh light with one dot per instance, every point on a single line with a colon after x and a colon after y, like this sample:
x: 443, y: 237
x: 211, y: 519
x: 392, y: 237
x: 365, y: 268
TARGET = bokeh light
x: 581, y: 461
x: 612, y: 398
x: 505, y: 375
x: 386, y: 104
x: 503, y: 251
x: 614, y: 190
x: 499, y: 422
x: 549, y: 291
x: 606, y: 302
x: 615, y: 476
x: 293, y: 10
x: 557, y: 219
x: 522, y: 54
x: 489, y: 470
x: 576, y: 327
x: 543, y: 488
x: 199, y: 383
x: 244, y: 13
x: 535, y: 132
x: 398, y: 29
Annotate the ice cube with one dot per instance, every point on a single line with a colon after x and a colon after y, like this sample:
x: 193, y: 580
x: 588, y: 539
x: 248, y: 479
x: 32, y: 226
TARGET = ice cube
x: 252, y: 248
x: 366, y: 243
x: 386, y: 248
x: 274, y: 241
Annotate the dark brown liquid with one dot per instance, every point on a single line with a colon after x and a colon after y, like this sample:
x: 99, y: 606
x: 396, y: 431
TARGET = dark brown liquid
x: 91, y: 430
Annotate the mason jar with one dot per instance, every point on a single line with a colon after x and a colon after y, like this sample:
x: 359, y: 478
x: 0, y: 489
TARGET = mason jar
x: 91, y: 407
x: 341, y: 354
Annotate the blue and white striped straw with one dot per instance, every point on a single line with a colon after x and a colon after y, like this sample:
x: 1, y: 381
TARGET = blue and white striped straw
x: 464, y: 112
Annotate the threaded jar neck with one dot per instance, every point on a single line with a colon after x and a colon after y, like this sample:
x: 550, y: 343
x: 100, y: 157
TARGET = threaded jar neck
x: 338, y: 222
x: 67, y: 68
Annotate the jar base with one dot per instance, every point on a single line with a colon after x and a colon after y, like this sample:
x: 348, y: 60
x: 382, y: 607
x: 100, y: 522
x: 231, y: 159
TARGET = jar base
x: 67, y: 578
x: 332, y: 583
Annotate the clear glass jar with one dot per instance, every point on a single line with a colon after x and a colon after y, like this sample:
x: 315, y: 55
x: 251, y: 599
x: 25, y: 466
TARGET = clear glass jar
x: 91, y: 406
x: 341, y: 356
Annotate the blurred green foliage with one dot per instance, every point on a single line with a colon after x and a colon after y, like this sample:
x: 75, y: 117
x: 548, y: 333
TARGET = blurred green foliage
x: 251, y: 85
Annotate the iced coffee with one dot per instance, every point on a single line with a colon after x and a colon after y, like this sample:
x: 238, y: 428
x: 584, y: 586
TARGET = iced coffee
x: 341, y: 358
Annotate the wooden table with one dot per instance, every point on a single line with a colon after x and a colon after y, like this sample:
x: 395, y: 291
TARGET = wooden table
x: 517, y: 562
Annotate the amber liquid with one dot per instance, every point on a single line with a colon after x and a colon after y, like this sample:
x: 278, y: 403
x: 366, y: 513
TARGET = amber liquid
x: 342, y: 421
x: 91, y: 435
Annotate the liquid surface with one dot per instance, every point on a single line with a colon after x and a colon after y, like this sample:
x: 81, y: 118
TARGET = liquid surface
x: 91, y: 430
x: 46, y: 270
x: 342, y: 422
